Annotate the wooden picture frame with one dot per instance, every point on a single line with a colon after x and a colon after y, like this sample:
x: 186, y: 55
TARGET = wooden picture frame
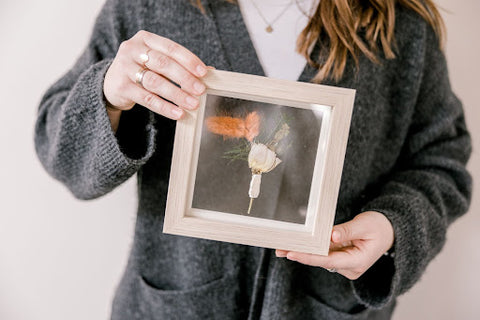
x: 208, y: 191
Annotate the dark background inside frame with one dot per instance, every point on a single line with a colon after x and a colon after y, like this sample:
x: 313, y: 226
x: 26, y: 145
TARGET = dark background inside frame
x: 222, y: 184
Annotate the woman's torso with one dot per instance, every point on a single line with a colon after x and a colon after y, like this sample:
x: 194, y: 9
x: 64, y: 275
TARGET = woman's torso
x: 185, y: 278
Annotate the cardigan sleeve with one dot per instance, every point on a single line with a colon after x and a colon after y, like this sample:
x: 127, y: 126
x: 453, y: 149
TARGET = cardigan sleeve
x: 429, y: 188
x: 73, y: 136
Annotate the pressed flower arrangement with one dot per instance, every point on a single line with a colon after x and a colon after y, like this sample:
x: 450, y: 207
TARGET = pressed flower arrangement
x: 259, y: 148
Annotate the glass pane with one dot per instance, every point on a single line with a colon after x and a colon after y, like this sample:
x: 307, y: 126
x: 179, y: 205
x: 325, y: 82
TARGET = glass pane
x: 256, y: 159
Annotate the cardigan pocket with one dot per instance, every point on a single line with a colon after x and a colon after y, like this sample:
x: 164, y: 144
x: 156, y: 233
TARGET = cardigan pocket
x: 324, y: 311
x: 213, y: 300
x: 319, y: 310
x: 305, y: 306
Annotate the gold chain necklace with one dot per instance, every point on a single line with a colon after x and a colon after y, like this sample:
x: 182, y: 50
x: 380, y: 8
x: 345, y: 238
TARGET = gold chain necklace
x: 269, y: 27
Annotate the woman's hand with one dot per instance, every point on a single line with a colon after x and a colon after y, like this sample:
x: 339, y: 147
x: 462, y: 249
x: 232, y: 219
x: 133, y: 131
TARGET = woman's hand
x: 355, y: 245
x: 166, y: 60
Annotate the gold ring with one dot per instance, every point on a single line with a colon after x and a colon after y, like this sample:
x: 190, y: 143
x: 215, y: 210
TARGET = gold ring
x: 139, y: 76
x: 144, y: 57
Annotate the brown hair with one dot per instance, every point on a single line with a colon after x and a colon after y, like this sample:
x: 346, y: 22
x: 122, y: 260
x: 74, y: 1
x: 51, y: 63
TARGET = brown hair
x: 341, y: 20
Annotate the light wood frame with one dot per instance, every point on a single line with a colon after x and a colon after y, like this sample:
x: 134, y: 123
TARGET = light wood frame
x: 314, y: 236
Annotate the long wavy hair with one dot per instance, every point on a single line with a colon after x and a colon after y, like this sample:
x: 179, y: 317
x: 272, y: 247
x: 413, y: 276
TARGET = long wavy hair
x: 342, y: 22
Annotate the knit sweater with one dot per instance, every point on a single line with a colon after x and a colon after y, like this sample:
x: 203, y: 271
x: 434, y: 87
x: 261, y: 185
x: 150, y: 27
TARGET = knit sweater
x: 405, y: 158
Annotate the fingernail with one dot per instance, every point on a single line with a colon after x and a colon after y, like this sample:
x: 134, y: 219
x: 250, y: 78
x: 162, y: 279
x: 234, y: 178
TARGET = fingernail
x: 199, y: 87
x: 280, y: 254
x: 177, y: 113
x: 192, y: 102
x: 201, y: 70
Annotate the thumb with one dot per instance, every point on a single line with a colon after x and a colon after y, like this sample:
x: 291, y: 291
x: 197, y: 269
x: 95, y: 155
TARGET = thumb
x: 348, y: 231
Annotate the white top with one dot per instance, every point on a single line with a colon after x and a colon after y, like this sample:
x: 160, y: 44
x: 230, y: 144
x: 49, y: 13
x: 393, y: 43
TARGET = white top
x: 276, y: 50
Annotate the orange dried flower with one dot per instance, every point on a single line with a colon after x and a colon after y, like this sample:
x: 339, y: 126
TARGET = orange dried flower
x: 231, y: 127
x: 227, y: 126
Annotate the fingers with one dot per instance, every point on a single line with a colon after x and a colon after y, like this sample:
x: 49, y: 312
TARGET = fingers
x: 171, y: 69
x: 166, y: 62
x: 154, y: 102
x: 175, y: 51
x: 334, y: 260
x: 347, y: 262
x: 162, y: 87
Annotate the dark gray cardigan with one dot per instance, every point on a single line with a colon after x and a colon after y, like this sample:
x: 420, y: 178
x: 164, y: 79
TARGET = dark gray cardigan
x: 406, y: 158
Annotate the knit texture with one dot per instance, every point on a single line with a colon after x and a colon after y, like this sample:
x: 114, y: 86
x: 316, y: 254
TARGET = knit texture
x: 406, y: 157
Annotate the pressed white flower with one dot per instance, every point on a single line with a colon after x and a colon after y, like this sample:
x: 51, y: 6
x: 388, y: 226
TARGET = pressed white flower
x: 261, y: 159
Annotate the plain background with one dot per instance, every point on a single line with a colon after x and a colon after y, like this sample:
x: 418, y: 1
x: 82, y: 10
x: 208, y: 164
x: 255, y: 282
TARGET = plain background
x: 61, y: 258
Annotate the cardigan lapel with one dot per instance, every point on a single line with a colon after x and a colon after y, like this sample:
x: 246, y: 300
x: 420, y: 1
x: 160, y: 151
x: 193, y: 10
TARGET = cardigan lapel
x: 240, y: 53
x: 234, y: 38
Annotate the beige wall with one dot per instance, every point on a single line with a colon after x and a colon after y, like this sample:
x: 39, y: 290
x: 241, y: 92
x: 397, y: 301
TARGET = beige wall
x: 61, y: 258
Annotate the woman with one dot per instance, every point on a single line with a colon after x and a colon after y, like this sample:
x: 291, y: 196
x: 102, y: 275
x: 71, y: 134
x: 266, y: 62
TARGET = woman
x: 404, y: 180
